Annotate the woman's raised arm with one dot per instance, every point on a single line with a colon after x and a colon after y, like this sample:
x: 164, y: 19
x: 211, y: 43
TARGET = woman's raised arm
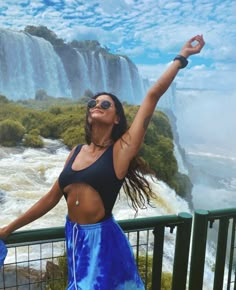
x: 134, y: 136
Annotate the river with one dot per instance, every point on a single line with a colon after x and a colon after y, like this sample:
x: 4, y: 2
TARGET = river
x: 26, y: 174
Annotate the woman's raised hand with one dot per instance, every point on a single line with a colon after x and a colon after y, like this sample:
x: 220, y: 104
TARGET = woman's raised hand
x: 192, y: 46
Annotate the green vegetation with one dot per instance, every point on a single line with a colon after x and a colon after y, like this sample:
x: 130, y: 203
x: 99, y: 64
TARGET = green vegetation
x: 166, y: 281
x: 145, y: 270
x: 57, y: 276
x: 44, y: 32
x: 32, y: 140
x: 49, y: 35
x: 26, y: 122
x: 11, y: 132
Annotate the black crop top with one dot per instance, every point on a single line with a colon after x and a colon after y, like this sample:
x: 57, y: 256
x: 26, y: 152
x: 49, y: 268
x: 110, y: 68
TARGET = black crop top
x: 100, y: 175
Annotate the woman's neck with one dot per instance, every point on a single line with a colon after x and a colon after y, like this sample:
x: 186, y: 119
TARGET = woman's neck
x: 101, y: 136
x: 102, y: 144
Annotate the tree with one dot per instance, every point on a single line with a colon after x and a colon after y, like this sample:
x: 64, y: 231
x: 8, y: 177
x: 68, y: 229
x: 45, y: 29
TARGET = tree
x: 11, y: 132
x: 32, y: 140
x: 41, y: 95
x: 88, y: 93
x: 3, y: 100
x: 44, y: 32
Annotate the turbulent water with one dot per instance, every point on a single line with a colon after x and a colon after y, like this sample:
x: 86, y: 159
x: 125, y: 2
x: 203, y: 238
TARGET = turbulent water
x: 27, y: 174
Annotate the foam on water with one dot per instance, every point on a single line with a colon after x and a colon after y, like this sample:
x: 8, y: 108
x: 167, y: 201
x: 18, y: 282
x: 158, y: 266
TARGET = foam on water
x: 27, y: 174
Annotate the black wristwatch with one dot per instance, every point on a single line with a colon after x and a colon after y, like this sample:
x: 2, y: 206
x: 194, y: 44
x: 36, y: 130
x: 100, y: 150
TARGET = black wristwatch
x: 182, y: 59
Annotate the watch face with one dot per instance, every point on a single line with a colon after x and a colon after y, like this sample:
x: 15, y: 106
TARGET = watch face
x: 3, y: 252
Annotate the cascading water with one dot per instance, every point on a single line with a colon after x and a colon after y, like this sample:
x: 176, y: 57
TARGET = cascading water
x: 104, y: 76
x: 29, y: 63
x: 126, y: 78
x: 83, y: 72
x: 96, y: 73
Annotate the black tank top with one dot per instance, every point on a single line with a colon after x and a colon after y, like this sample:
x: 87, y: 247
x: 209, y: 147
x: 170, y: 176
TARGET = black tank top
x: 100, y: 175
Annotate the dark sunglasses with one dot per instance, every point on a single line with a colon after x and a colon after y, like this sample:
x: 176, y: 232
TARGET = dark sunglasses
x: 103, y: 104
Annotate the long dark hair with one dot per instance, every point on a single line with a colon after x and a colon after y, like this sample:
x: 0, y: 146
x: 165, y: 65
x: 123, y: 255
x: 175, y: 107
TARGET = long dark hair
x: 136, y: 186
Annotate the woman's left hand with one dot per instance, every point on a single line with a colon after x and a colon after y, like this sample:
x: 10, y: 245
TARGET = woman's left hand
x: 189, y: 48
x: 3, y: 233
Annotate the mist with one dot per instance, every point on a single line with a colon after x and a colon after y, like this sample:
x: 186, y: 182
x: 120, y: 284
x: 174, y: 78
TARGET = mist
x: 206, y: 127
x: 206, y: 121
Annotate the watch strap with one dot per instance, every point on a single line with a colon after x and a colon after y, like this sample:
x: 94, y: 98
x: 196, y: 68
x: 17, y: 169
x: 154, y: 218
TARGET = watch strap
x: 183, y: 60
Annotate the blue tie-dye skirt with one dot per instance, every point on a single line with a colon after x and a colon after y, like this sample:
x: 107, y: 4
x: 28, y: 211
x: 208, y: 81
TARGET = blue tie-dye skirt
x: 100, y: 257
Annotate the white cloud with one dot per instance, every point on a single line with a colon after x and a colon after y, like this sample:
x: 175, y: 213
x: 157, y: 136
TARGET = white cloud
x: 88, y: 33
x: 152, y: 72
x: 151, y: 28
x: 132, y: 52
x: 219, y: 77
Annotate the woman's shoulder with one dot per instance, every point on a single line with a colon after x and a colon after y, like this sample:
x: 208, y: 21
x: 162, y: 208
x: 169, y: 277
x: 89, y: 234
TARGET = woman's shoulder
x: 73, y: 152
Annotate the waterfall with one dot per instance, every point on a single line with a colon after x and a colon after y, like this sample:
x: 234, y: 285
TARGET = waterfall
x: 83, y: 72
x: 169, y: 100
x: 98, y: 73
x: 133, y: 88
x: 126, y: 79
x: 29, y: 63
x: 139, y: 86
x: 103, y: 71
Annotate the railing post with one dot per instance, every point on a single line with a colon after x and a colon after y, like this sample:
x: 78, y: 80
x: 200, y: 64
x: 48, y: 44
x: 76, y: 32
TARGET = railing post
x: 234, y: 278
x: 182, y: 245
x: 157, y: 257
x: 231, y: 255
x: 198, y: 250
x: 221, y: 254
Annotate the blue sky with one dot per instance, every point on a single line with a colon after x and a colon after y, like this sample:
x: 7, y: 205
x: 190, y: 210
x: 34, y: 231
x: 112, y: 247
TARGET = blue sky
x: 149, y: 32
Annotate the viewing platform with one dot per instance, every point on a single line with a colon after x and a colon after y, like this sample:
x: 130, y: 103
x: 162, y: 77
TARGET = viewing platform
x: 173, y: 252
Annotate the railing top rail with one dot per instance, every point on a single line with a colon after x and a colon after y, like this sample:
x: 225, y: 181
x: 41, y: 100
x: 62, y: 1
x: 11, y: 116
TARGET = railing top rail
x: 57, y: 233
x: 151, y: 222
x: 221, y: 213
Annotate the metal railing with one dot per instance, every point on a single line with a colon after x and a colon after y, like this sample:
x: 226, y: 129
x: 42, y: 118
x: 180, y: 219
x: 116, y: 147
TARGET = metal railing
x: 223, y: 269
x: 170, y: 250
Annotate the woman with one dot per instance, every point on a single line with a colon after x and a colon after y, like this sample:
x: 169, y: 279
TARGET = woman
x: 99, y: 255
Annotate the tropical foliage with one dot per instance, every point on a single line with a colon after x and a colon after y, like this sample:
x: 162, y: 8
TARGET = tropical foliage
x: 11, y: 132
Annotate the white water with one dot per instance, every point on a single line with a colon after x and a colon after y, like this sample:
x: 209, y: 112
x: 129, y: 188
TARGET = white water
x: 27, y: 174
x: 126, y: 75
x: 30, y: 63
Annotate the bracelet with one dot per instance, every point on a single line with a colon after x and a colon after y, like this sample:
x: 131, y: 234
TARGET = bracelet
x: 182, y: 59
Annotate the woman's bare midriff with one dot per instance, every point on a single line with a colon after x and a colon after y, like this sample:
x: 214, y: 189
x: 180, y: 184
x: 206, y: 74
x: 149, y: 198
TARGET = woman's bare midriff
x: 90, y: 209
